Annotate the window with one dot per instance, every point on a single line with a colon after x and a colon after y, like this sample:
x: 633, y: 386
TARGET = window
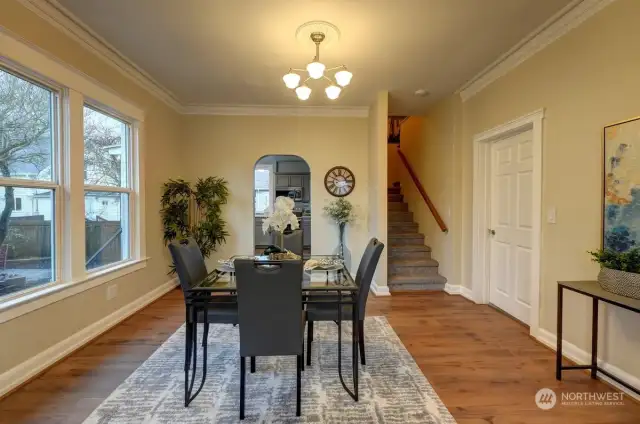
x: 28, y: 145
x: 263, y: 186
x: 71, y: 196
x: 107, y: 189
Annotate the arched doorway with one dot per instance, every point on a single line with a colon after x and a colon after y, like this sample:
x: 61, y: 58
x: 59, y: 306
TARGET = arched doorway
x: 281, y: 175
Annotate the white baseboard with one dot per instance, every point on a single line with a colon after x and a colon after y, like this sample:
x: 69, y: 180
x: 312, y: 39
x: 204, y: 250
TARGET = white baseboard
x: 379, y: 290
x: 28, y: 369
x: 579, y: 356
x: 459, y: 290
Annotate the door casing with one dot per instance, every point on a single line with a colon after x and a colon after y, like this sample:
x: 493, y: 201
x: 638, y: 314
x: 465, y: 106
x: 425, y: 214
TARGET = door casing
x: 482, y: 208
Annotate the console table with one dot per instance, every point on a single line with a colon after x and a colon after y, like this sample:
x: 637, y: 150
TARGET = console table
x: 596, y: 293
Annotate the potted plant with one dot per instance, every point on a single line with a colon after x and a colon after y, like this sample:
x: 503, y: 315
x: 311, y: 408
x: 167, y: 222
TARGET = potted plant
x: 195, y: 212
x: 619, y: 271
x: 280, y: 218
x: 341, y: 212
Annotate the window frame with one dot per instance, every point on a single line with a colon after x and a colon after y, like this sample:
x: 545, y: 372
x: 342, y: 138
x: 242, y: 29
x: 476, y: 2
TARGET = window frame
x: 74, y: 89
x: 129, y: 246
x: 53, y: 184
x: 272, y: 185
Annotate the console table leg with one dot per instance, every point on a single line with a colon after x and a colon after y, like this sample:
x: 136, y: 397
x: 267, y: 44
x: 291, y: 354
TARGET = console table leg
x: 594, y: 340
x: 559, y: 336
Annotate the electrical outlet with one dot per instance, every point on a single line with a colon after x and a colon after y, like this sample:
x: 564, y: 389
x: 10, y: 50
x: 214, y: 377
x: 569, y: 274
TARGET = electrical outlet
x: 112, y: 291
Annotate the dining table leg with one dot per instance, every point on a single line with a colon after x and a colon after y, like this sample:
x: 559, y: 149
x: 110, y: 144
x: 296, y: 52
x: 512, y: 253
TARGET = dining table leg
x: 353, y: 394
x: 356, y: 343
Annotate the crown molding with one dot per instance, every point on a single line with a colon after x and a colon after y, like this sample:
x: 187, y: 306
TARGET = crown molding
x: 568, y: 18
x: 258, y: 110
x: 58, y: 16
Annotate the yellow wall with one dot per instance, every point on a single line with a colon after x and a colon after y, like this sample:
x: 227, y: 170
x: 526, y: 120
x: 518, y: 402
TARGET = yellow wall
x: 584, y: 81
x: 30, y: 334
x: 229, y: 146
x: 377, y: 157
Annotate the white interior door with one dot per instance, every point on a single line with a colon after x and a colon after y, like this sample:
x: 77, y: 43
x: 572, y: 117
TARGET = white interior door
x: 511, y: 225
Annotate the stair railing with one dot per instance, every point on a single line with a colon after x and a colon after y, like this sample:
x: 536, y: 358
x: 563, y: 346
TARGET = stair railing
x: 423, y: 193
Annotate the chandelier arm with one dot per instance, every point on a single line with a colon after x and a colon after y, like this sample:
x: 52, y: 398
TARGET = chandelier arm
x: 298, y: 70
x: 328, y: 79
x: 305, y: 81
x: 335, y: 67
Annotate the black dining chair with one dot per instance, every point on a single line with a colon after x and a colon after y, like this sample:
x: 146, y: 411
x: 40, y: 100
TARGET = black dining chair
x: 329, y: 311
x: 191, y: 269
x: 270, y: 314
x: 293, y: 241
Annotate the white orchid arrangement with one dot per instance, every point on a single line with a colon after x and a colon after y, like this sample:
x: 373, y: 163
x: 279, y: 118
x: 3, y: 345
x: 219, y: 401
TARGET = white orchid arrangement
x: 280, y: 217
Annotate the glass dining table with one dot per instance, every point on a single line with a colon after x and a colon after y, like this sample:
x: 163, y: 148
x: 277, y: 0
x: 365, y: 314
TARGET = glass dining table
x: 331, y: 284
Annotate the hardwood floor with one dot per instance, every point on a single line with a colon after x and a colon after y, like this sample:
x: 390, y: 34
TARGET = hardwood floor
x: 482, y: 364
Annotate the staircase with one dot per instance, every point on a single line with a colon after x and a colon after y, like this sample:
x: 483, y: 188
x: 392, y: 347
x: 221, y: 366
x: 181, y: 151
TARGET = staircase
x: 410, y: 266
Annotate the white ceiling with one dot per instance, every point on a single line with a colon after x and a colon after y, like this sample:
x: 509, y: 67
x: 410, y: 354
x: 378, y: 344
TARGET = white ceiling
x: 234, y: 52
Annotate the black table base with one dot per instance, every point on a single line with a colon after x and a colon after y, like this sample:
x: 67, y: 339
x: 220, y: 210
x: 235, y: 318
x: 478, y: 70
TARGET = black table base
x: 596, y: 295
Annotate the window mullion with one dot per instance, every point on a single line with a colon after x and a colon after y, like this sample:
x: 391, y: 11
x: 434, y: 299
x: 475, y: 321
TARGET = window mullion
x: 74, y: 228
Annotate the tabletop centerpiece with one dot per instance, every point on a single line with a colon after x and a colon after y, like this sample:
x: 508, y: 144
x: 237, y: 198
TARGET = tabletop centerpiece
x: 281, y: 217
x: 619, y: 271
x: 341, y: 212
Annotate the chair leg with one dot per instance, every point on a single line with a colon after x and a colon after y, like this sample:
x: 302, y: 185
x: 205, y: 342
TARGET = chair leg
x: 361, y: 341
x: 253, y: 364
x: 242, y: 382
x: 205, y: 335
x: 309, y: 340
x: 303, y: 354
x: 300, y: 359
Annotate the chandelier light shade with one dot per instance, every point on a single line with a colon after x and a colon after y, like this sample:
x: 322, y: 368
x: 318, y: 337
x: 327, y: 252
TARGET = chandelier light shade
x: 316, y: 70
x: 303, y: 92
x: 333, y: 91
x: 343, y: 78
x: 291, y: 80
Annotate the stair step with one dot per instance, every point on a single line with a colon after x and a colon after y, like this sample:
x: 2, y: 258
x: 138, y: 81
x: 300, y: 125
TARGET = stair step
x: 394, y: 190
x: 416, y: 283
x: 395, y: 197
x: 392, y: 231
x: 414, y: 267
x: 409, y: 251
x: 396, y: 216
x: 402, y: 225
x: 404, y: 239
x: 397, y: 206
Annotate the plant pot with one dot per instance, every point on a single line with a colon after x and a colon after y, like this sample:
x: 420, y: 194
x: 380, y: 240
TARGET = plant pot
x: 620, y: 282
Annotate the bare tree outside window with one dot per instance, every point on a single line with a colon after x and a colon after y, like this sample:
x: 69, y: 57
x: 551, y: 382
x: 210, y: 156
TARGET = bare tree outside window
x: 25, y: 137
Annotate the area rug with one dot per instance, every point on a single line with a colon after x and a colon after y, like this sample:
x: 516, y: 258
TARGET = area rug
x: 392, y: 387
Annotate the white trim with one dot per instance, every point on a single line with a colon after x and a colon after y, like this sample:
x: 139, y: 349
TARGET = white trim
x: 110, y: 189
x: 55, y: 14
x: 568, y: 18
x: 61, y: 18
x: 23, y: 302
x: 274, y: 110
x: 379, y: 290
x: 481, y: 207
x: 579, y: 356
x: 33, y: 59
x: 455, y: 290
x: 33, y: 366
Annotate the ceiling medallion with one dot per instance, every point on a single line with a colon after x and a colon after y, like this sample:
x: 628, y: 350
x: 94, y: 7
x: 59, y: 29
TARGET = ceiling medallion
x: 316, y: 70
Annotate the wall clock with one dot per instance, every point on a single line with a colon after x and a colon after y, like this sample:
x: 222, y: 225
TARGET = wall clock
x: 339, y: 181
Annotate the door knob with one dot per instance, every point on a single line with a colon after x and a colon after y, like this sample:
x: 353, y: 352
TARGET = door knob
x: 492, y: 232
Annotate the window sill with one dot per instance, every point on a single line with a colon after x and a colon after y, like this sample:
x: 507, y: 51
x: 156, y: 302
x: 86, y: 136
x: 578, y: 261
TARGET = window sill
x: 57, y: 291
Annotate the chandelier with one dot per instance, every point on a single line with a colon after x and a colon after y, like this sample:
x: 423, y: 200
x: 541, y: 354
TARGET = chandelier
x: 316, y: 71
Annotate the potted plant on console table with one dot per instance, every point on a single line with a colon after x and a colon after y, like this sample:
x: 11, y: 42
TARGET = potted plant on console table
x: 619, y: 271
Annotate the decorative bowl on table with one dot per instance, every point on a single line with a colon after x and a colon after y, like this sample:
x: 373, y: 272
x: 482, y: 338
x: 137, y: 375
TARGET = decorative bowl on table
x: 227, y: 264
x: 324, y: 264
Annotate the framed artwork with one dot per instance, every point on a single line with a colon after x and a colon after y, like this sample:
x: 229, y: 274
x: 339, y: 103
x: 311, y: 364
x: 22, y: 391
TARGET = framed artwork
x: 621, y: 203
